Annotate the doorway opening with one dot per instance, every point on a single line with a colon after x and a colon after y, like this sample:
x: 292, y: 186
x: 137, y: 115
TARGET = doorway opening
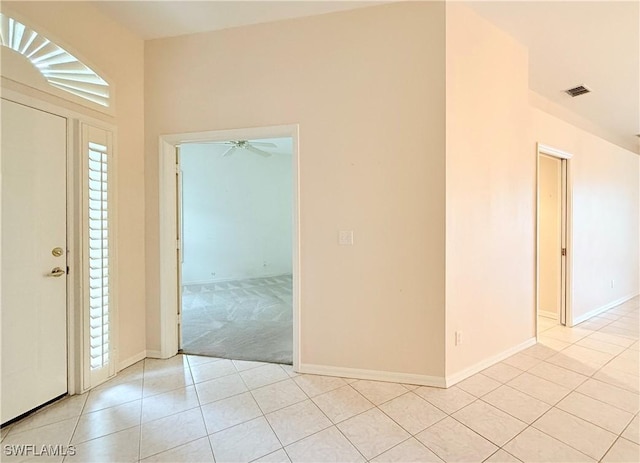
x: 553, y: 225
x: 172, y: 249
x: 235, y: 217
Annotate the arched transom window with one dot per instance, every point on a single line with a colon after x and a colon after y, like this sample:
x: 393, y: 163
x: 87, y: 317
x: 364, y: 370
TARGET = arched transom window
x: 60, y: 68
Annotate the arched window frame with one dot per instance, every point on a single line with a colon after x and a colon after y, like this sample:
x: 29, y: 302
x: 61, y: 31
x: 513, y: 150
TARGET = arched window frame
x: 63, y: 71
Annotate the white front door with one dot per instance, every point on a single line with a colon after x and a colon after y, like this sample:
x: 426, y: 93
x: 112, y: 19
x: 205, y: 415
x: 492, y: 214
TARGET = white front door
x: 34, y: 259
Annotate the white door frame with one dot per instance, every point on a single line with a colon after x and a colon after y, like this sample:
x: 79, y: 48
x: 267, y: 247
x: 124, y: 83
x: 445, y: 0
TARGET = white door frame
x: 169, y: 225
x: 566, y: 313
x: 75, y: 306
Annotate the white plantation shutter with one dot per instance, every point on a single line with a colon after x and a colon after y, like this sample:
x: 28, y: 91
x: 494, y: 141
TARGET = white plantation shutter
x: 58, y: 67
x: 98, y: 255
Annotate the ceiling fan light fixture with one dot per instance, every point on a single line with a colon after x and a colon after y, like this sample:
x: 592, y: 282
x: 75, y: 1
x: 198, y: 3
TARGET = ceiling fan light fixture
x: 255, y: 147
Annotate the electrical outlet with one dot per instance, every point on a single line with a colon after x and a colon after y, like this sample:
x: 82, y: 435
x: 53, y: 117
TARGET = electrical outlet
x: 458, y: 338
x: 613, y: 283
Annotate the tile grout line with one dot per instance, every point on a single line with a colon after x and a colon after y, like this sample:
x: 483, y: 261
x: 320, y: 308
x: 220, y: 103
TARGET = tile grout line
x: 75, y: 427
x: 335, y: 425
x: 499, y: 450
x: 567, y: 444
x: 575, y: 390
x: 144, y: 375
x: 584, y: 419
x: 265, y: 415
x: 204, y: 422
x: 163, y: 417
x: 556, y: 382
x: 627, y: 427
x: 554, y: 406
x: 411, y: 435
x: 332, y: 424
x: 575, y: 416
x: 357, y: 414
x: 553, y: 437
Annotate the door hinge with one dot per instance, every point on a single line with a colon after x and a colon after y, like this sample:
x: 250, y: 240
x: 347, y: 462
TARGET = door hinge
x: 564, y: 251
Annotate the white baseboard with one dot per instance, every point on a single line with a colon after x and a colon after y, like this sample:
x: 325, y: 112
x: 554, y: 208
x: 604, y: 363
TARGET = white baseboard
x: 376, y: 375
x: 599, y: 310
x: 548, y: 314
x: 224, y: 280
x: 154, y: 354
x: 131, y: 360
x: 486, y: 363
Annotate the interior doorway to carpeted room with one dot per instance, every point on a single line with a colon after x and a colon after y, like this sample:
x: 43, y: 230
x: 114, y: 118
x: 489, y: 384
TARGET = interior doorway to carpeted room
x: 236, y: 216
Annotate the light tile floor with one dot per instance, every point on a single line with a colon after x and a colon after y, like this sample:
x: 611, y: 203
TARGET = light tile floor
x: 574, y: 397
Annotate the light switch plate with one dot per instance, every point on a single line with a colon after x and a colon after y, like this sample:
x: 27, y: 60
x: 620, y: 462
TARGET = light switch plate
x: 345, y: 237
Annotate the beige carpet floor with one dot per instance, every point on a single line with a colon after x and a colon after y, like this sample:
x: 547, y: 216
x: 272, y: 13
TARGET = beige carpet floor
x: 243, y: 320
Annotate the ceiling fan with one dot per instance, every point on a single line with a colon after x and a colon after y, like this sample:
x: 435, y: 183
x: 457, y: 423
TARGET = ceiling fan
x: 252, y: 146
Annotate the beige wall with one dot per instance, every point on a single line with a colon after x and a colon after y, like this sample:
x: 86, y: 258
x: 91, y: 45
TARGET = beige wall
x: 605, y: 214
x: 493, y: 124
x: 367, y: 88
x: 549, y: 229
x: 90, y: 36
x: 490, y: 193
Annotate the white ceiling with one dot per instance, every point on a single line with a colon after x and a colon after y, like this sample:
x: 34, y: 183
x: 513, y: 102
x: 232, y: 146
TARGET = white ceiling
x: 571, y: 43
x: 591, y: 43
x: 167, y: 18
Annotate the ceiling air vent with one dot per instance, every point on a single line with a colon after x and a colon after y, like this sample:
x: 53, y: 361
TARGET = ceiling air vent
x: 576, y: 91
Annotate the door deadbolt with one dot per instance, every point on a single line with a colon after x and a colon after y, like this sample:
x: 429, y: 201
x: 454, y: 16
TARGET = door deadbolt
x: 57, y: 252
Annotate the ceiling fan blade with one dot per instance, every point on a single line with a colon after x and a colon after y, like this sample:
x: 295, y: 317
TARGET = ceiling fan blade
x: 263, y: 144
x: 255, y: 150
x: 230, y: 151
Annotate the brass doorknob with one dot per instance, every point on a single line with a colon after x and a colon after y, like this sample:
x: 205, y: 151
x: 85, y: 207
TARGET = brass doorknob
x: 57, y: 272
